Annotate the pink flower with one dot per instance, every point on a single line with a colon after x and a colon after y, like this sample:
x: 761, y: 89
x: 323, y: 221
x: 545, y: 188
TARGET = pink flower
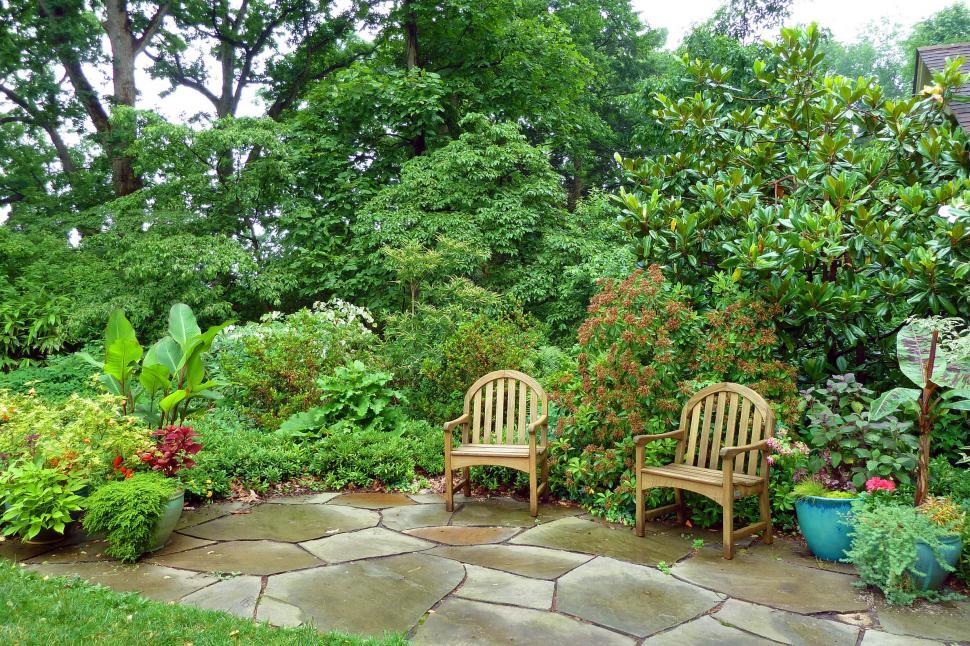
x: 876, y: 483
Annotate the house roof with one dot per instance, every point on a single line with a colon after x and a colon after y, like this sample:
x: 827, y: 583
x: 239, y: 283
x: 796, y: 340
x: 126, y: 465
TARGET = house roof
x: 932, y: 59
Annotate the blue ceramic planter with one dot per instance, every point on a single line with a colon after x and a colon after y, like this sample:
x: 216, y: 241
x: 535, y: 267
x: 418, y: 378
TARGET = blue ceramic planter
x: 934, y: 574
x: 824, y: 524
x: 167, y: 522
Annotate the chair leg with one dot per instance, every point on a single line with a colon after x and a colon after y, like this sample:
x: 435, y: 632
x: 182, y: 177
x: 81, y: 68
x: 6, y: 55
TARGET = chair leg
x: 467, y: 487
x: 681, y: 510
x: 533, y: 492
x: 641, y: 522
x: 728, y: 523
x: 449, y: 483
x: 545, y: 478
x: 769, y: 536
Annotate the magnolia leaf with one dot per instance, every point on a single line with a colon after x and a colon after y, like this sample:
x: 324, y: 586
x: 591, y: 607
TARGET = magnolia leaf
x: 118, y: 327
x: 169, y: 402
x: 890, y: 401
x: 182, y: 324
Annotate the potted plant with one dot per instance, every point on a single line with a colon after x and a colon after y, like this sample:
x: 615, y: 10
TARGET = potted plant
x: 38, y: 501
x: 130, y: 513
x: 175, y: 446
x: 850, y: 453
x: 905, y: 551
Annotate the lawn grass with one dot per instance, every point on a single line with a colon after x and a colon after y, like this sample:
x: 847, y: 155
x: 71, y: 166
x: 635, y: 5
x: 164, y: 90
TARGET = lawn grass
x: 64, y: 611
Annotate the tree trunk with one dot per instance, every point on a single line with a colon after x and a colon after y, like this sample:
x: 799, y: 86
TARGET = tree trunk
x: 117, y: 24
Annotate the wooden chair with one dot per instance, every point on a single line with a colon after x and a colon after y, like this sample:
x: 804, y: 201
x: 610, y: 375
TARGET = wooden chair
x: 504, y: 412
x: 721, y: 454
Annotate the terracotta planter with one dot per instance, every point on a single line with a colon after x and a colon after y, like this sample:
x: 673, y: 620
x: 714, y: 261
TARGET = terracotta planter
x: 168, y: 520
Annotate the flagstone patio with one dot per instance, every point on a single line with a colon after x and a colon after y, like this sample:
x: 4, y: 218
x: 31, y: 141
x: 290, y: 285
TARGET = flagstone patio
x: 489, y: 573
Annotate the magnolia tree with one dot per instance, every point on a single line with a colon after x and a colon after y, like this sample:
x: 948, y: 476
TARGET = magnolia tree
x: 816, y: 193
x: 934, y: 354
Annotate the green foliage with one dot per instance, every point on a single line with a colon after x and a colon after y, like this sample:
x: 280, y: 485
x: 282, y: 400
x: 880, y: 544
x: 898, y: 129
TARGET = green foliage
x: 238, y: 454
x: 59, y: 377
x: 77, y: 436
x: 126, y: 512
x: 820, y: 196
x: 355, y: 398
x: 35, y: 498
x: 75, y: 612
x: 814, y: 488
x: 849, y: 446
x: 273, y: 367
x: 884, y: 538
x: 161, y: 385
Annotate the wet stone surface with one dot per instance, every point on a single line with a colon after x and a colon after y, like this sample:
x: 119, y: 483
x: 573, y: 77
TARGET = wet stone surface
x: 491, y: 574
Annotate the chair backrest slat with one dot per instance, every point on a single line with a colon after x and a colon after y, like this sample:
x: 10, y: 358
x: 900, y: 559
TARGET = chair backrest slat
x: 512, y: 400
x: 724, y: 415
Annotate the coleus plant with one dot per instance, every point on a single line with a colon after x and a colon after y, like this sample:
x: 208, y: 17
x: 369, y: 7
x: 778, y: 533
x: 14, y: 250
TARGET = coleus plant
x: 159, y: 385
x: 934, y: 354
x: 174, y: 450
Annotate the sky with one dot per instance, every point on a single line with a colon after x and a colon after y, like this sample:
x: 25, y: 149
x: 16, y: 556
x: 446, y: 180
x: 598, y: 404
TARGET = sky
x: 846, y: 18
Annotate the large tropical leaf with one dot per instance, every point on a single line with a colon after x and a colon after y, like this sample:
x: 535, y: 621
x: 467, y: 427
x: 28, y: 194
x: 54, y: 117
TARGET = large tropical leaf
x: 913, y: 351
x: 889, y: 402
x: 119, y: 327
x: 154, y: 378
x: 166, y: 352
x: 169, y: 402
x: 182, y: 324
x: 952, y: 374
x: 119, y: 356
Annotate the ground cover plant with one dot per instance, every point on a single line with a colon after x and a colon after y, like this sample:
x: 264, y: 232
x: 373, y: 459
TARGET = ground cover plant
x: 54, y: 610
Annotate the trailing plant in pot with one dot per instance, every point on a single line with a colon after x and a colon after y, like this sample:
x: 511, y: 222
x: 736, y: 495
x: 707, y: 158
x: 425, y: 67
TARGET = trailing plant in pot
x: 128, y: 512
x: 934, y: 354
x: 38, y: 501
x: 905, y: 551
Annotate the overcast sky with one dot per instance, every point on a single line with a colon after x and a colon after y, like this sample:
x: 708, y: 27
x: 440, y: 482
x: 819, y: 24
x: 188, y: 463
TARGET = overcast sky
x: 846, y: 18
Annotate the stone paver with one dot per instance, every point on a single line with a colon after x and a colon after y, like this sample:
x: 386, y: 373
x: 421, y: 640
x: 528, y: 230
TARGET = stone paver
x: 506, y: 512
x: 705, y: 632
x: 947, y: 621
x: 773, y: 582
x: 367, y: 543
x: 309, y: 499
x: 786, y: 627
x: 372, y: 500
x: 635, y: 599
x: 412, y: 516
x: 152, y: 581
x: 237, y: 595
x: 491, y: 574
x: 879, y: 638
x: 245, y: 557
x: 591, y: 537
x: 293, y: 523
x: 367, y: 597
x: 453, y: 535
x: 535, y: 562
x: 496, y: 586
x: 206, y: 513
x: 460, y: 621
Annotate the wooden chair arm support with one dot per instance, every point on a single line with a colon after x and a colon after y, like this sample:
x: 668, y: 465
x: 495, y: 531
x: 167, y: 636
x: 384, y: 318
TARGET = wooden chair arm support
x: 641, y: 440
x: 731, y: 451
x: 455, y: 422
x: 534, y: 426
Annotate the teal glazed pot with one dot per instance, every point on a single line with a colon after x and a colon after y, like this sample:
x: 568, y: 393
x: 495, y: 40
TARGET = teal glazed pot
x: 824, y: 524
x: 167, y: 522
x: 934, y: 575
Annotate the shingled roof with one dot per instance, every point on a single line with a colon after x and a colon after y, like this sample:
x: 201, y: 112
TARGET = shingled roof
x: 932, y: 59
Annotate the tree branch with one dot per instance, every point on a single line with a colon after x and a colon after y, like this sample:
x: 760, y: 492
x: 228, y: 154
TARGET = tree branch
x: 139, y: 44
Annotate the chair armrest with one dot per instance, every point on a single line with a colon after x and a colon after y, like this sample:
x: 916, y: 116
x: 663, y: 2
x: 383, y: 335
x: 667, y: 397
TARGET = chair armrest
x: 641, y: 440
x: 455, y: 422
x: 534, y: 426
x: 731, y: 451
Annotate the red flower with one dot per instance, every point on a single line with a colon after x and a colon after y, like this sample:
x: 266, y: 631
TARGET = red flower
x: 117, y: 462
x: 876, y: 483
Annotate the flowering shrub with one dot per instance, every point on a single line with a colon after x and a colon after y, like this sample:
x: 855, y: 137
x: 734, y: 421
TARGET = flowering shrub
x: 175, y: 446
x: 274, y: 365
x: 643, y: 352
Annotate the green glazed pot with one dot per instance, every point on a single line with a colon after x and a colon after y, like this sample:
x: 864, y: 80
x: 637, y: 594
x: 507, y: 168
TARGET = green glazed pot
x: 167, y: 522
x: 928, y: 574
